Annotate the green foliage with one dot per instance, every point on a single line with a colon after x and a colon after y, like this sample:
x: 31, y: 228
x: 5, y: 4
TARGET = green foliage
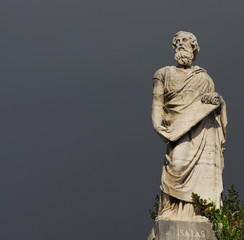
x: 154, y: 213
x: 228, y: 222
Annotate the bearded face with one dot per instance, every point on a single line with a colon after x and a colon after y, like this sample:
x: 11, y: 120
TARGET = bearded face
x: 184, y: 57
x: 183, y: 51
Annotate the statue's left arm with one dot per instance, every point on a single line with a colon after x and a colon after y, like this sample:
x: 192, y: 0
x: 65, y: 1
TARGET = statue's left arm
x: 214, y: 98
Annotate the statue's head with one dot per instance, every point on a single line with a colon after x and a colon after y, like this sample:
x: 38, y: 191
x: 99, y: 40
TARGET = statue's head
x: 186, y: 48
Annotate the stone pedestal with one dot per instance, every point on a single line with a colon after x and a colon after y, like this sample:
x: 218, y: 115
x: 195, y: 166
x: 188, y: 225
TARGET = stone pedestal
x: 181, y: 230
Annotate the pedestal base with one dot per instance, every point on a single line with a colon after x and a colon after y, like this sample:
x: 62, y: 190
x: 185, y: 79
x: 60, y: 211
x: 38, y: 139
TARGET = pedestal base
x: 181, y: 230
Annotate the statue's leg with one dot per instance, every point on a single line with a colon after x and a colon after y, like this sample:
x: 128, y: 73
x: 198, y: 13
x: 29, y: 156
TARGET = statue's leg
x: 171, y: 208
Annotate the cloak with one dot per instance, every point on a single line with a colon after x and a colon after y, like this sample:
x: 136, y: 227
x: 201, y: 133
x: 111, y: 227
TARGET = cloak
x: 196, y: 131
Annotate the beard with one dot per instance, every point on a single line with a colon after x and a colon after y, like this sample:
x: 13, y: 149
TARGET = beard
x: 184, y: 57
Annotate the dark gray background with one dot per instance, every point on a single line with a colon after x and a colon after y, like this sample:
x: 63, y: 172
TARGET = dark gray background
x: 79, y: 158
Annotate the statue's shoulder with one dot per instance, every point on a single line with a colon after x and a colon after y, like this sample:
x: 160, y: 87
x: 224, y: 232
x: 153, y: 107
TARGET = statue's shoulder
x: 204, y: 71
x: 200, y: 69
x: 160, y: 73
x: 205, y: 75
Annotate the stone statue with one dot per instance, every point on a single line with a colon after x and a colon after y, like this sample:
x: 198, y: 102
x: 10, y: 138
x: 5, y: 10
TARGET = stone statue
x: 191, y: 118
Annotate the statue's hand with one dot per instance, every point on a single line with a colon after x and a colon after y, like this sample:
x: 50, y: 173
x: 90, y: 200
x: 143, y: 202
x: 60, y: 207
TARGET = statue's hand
x: 211, y: 98
x: 160, y: 130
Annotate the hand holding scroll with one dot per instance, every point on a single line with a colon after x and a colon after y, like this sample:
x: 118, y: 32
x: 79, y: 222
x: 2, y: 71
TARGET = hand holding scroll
x: 211, y: 98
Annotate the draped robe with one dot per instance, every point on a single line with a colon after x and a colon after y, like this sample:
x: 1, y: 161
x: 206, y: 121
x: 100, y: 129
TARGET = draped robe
x: 194, y: 159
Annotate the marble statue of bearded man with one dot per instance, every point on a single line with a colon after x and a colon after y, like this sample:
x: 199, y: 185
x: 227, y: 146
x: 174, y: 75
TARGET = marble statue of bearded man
x: 190, y: 117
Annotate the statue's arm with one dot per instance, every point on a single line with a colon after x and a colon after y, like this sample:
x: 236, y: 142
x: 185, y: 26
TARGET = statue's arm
x: 157, y: 104
x: 157, y: 108
x: 212, y: 97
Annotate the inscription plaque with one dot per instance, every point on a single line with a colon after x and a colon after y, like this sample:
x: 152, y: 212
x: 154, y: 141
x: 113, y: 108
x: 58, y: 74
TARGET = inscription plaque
x: 182, y: 230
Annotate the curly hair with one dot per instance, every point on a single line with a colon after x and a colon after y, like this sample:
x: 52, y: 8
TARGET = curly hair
x: 192, y: 38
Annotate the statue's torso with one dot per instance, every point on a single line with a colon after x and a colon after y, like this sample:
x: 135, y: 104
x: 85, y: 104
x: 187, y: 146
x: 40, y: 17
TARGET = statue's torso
x: 195, y: 78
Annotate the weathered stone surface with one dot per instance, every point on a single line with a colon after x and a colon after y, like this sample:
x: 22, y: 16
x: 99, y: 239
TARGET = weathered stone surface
x: 190, y: 116
x: 181, y: 230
